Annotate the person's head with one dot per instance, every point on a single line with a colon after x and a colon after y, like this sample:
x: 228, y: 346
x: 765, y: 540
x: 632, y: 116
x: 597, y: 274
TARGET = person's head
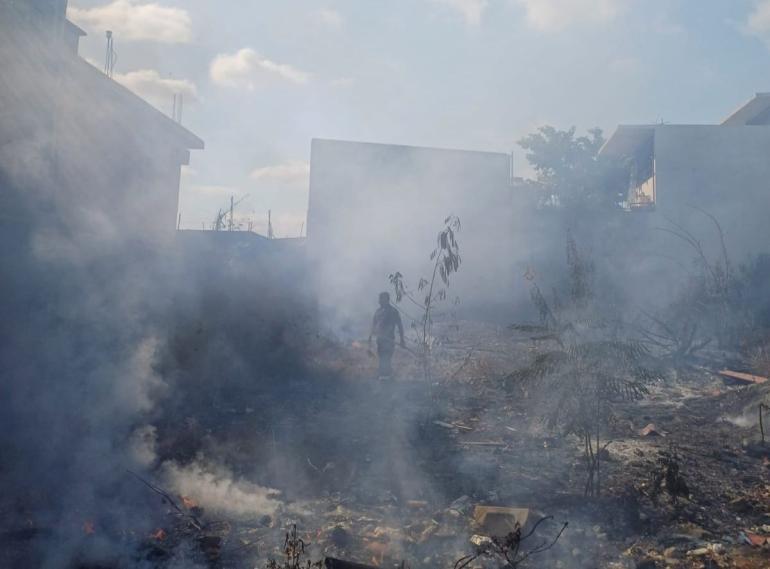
x: 384, y: 299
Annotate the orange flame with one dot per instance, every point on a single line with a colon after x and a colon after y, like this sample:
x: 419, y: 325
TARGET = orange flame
x: 189, y: 503
x: 378, y: 551
x: 159, y: 534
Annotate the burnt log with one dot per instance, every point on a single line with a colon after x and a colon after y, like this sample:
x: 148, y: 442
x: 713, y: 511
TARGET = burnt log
x: 332, y: 563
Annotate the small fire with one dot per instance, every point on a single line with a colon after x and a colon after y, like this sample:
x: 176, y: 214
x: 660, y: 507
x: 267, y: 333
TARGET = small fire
x: 189, y: 503
x: 159, y: 534
x: 88, y: 527
x: 378, y: 550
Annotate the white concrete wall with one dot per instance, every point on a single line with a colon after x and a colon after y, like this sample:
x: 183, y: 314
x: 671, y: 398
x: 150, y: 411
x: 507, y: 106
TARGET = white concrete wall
x: 726, y: 171
x: 375, y: 209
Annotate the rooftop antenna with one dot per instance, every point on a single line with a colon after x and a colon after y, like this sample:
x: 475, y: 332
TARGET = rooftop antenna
x: 111, y: 57
x: 225, y: 218
x: 178, y: 106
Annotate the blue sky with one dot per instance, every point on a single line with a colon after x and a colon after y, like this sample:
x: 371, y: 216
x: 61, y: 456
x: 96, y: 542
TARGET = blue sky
x: 261, y: 78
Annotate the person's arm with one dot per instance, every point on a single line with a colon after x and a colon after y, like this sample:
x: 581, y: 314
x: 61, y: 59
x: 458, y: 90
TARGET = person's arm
x: 400, y: 328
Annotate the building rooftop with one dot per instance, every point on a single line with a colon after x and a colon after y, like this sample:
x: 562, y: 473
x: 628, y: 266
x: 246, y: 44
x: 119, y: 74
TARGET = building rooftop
x: 627, y: 139
x: 755, y: 112
x: 94, y: 80
x: 401, y: 147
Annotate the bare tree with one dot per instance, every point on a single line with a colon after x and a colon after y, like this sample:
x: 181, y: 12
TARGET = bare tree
x: 589, y: 366
x: 446, y: 260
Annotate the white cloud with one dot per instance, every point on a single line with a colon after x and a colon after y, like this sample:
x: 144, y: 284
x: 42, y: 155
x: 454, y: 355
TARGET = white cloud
x: 246, y: 68
x: 282, y: 187
x: 471, y: 10
x: 295, y: 174
x: 557, y: 15
x: 212, y: 191
x: 131, y: 20
x: 758, y: 22
x: 157, y: 90
x: 329, y: 18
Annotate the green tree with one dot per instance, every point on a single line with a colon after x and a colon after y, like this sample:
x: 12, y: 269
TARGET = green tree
x: 570, y: 171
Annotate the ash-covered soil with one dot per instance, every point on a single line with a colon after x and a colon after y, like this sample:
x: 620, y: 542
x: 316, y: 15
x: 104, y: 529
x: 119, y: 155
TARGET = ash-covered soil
x: 385, y: 472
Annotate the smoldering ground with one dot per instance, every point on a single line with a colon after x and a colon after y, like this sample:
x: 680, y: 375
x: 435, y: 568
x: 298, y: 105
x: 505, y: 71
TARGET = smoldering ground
x: 209, y: 378
x: 211, y: 381
x: 120, y: 356
x: 202, y: 370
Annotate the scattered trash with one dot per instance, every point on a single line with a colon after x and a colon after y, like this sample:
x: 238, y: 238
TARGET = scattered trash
x: 508, y: 550
x: 740, y: 378
x: 462, y: 505
x: 498, y: 521
x: 717, y: 548
x: 753, y: 539
x: 332, y: 563
x: 480, y: 541
x: 701, y: 551
x: 651, y: 431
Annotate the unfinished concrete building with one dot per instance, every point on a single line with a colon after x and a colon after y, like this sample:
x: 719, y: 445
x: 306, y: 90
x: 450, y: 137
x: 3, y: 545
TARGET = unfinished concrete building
x: 677, y: 170
x: 75, y: 142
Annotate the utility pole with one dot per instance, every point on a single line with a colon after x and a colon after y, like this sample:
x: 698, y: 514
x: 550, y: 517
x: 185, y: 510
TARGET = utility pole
x: 269, y: 224
x: 232, y: 208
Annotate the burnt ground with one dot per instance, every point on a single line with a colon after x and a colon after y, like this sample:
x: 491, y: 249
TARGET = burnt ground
x: 379, y: 472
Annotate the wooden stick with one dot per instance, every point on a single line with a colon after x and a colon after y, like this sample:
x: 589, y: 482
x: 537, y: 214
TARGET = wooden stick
x: 196, y: 523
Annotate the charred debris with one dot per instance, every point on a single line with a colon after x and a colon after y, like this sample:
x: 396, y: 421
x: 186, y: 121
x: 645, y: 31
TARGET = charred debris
x: 584, y: 381
x: 581, y: 438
